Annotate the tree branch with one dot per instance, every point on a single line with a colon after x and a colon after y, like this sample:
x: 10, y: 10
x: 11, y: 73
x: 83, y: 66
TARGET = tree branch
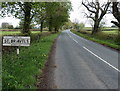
x: 103, y: 11
x: 116, y: 23
x: 32, y: 16
x: 88, y: 8
x: 90, y: 16
x: 91, y: 4
x: 21, y: 6
x: 116, y: 12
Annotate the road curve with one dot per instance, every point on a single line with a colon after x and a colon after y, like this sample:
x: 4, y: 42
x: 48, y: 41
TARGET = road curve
x: 83, y: 64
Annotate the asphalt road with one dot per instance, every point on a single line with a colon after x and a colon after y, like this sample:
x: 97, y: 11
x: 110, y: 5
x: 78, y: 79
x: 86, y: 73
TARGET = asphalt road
x: 83, y: 64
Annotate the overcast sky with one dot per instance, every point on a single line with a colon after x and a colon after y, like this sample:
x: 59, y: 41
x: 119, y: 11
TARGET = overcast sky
x: 75, y: 15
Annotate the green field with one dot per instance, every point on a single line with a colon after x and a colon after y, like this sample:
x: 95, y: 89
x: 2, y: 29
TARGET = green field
x: 106, y: 28
x: 87, y: 28
x: 16, y: 32
x: 10, y: 33
x: 111, y: 32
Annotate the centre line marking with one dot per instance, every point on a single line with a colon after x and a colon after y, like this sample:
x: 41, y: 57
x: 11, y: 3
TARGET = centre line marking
x: 68, y: 34
x: 73, y: 38
x: 102, y: 59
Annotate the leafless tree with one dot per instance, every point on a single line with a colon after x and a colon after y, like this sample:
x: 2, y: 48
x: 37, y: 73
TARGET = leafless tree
x: 96, y: 12
x: 116, y: 13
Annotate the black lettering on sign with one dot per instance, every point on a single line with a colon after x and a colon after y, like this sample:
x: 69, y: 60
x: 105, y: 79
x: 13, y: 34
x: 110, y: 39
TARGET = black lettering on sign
x: 16, y: 41
x: 13, y: 41
x: 6, y: 41
x: 27, y: 40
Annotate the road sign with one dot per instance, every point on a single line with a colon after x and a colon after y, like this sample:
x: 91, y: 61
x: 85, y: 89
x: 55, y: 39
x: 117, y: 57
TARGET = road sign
x: 16, y: 41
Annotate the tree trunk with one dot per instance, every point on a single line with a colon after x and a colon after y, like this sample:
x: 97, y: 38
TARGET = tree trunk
x: 27, y: 20
x: 50, y: 24
x: 41, y: 28
x: 56, y: 29
x: 96, y: 23
x: 96, y: 27
x: 116, y: 14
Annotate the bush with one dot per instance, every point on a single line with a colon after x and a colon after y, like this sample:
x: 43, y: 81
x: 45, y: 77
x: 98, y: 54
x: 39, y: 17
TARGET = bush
x: 10, y: 27
x: 82, y: 25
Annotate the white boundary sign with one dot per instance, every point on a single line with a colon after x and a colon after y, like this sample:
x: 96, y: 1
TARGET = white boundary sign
x: 16, y: 41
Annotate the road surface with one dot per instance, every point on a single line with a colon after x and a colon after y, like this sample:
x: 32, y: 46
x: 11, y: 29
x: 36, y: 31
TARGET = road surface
x: 83, y: 64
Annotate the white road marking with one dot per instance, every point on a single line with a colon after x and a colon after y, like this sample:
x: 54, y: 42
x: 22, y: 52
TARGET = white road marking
x: 96, y: 55
x: 70, y: 36
x: 101, y: 59
x: 73, y: 39
x: 78, y: 36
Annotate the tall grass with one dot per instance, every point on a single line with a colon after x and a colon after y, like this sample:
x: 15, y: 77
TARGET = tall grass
x: 20, y: 71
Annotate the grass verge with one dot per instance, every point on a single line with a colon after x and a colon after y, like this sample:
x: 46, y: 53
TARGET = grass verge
x: 20, y: 71
x: 100, y: 38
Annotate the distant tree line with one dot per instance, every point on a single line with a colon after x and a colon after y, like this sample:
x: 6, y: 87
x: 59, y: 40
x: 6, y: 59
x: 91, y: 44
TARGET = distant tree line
x: 50, y: 14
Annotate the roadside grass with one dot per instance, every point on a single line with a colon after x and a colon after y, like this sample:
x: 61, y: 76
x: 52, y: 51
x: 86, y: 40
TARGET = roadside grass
x: 105, y: 38
x: 20, y: 71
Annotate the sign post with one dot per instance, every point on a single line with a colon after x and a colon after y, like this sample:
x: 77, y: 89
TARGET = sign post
x: 16, y: 41
x: 18, y: 51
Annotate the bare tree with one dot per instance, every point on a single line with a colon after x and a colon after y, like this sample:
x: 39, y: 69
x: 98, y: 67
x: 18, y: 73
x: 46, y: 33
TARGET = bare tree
x: 96, y: 12
x: 116, y: 13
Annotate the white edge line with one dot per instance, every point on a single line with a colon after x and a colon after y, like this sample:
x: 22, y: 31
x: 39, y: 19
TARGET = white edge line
x: 97, y: 56
x: 101, y: 59
x: 73, y: 39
